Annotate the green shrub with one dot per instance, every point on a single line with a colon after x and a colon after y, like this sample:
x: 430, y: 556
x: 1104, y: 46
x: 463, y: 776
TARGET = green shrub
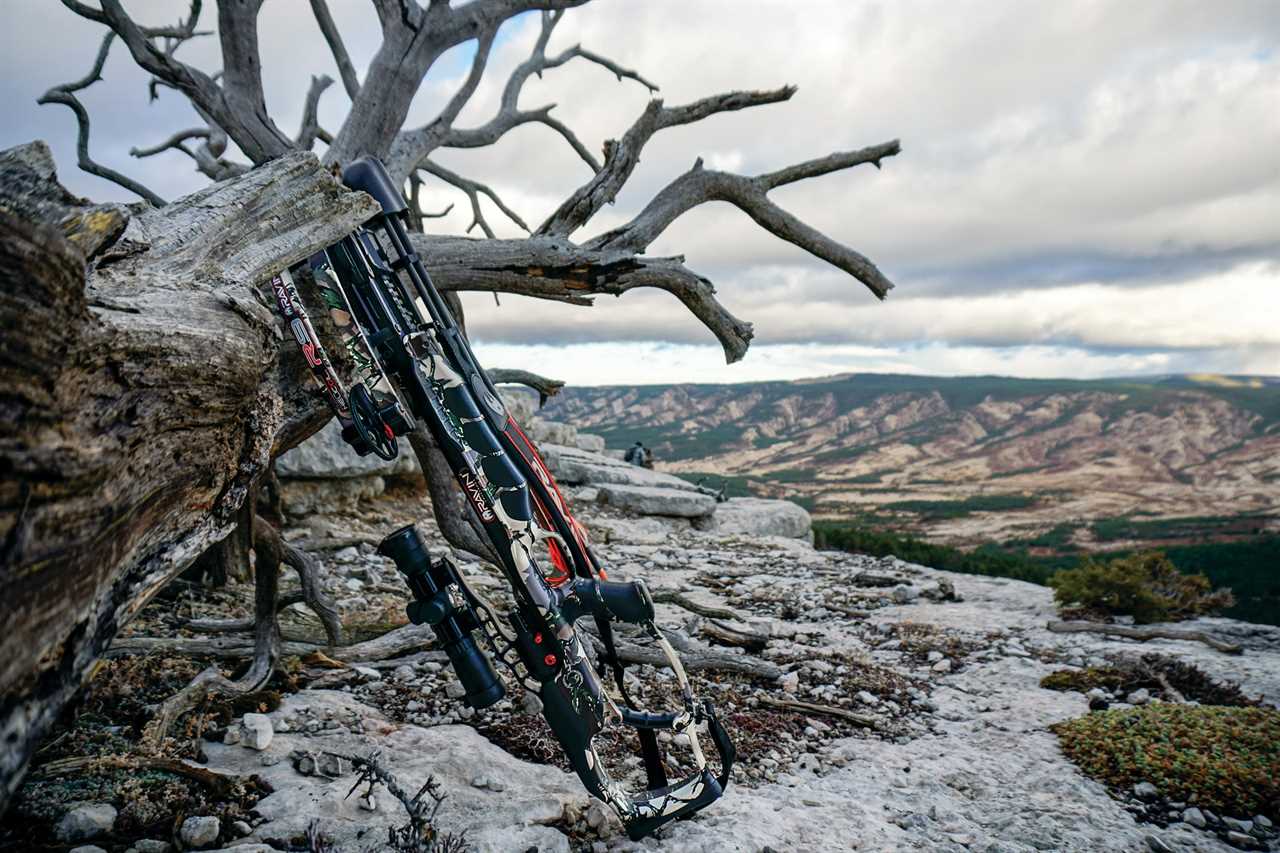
x: 1224, y: 759
x: 1146, y: 586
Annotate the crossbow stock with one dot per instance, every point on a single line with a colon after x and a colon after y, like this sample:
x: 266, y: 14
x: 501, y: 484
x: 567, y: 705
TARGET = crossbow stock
x: 413, y: 363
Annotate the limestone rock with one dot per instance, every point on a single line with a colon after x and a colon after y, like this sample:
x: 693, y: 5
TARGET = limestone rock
x: 590, y: 443
x: 331, y: 497
x: 657, y: 500
x: 200, y: 831
x: 325, y: 456
x: 575, y: 467
x: 763, y: 517
x: 86, y: 821
x: 517, y: 818
x: 256, y: 731
x: 632, y: 531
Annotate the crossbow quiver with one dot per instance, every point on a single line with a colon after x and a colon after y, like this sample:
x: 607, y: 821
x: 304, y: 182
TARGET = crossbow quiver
x: 413, y: 363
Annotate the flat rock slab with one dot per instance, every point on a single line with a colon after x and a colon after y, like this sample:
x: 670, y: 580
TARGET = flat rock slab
x: 573, y: 466
x: 325, y: 456
x: 657, y: 500
x: 763, y: 517
x: 514, y: 819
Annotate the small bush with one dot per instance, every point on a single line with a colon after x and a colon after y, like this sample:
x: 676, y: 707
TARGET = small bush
x: 1155, y: 673
x: 1146, y: 586
x: 1224, y: 759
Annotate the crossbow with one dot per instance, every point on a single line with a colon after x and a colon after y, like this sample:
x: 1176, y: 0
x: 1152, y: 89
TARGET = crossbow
x: 412, y: 364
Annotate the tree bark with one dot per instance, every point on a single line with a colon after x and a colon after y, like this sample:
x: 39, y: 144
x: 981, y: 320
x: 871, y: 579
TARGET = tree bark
x: 141, y: 393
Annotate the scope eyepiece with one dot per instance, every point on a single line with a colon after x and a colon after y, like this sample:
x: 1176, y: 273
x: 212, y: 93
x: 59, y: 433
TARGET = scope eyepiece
x: 452, y: 624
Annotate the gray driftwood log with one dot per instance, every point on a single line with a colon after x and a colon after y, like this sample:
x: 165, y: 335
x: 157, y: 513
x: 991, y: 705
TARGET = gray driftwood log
x: 142, y: 394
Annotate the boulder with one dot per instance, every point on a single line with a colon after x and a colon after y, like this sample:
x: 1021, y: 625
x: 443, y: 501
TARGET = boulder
x: 633, y: 531
x: 86, y: 821
x: 325, y: 456
x: 763, y: 517
x: 657, y: 500
x: 573, y: 466
x: 551, y: 432
x: 521, y: 815
x: 590, y: 443
x: 521, y: 403
x: 328, y: 497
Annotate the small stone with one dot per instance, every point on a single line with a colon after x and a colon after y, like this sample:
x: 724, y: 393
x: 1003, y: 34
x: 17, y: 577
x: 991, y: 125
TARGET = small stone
x: 597, y: 816
x: 1245, y: 826
x: 497, y: 785
x: 332, y: 766
x: 1195, y: 817
x: 269, y: 759
x: 87, y: 848
x: 231, y: 736
x: 1239, y: 839
x: 935, y: 656
x: 531, y: 703
x: 455, y: 690
x: 369, y: 803
x: 1156, y: 845
x: 790, y: 682
x: 1141, y: 696
x: 368, y: 673
x: 1145, y: 791
x: 200, y: 831
x: 943, y: 665
x: 867, y: 698
x: 241, y: 828
x: 152, y: 845
x: 903, y: 594
x: 87, y: 821
x: 1262, y: 821
x: 347, y: 555
x: 404, y: 672
x: 256, y: 731
x: 282, y: 725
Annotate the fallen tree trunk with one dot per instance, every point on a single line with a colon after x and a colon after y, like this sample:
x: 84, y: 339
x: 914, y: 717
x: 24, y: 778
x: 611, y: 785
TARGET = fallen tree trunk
x: 142, y: 393
x: 1143, y: 633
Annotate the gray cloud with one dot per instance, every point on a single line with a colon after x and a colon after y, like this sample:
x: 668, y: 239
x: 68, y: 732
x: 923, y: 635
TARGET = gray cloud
x: 1065, y: 159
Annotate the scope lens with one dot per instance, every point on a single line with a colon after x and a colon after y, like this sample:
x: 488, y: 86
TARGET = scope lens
x: 406, y: 548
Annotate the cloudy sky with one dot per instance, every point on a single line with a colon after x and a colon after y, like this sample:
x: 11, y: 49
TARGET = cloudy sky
x: 1087, y: 188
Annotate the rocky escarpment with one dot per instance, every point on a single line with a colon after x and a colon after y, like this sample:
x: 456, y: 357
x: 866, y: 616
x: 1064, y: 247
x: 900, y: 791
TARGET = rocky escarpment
x: 877, y: 705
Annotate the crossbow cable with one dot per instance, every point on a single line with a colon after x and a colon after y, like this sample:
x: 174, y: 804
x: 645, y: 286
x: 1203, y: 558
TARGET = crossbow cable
x: 398, y: 317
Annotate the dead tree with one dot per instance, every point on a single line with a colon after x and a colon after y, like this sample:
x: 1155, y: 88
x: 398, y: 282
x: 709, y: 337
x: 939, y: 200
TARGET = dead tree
x: 149, y: 390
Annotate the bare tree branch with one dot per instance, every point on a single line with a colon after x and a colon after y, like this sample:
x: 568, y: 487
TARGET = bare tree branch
x: 176, y: 142
x: 699, y: 185
x: 621, y: 156
x: 554, y: 268
x: 514, y: 376
x: 474, y: 190
x: 329, y: 30
x: 65, y: 95
x: 310, y: 129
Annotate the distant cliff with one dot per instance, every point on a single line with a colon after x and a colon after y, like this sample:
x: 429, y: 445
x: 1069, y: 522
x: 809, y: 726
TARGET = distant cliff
x: 976, y: 458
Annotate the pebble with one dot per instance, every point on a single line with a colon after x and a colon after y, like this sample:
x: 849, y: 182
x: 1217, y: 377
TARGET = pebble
x: 404, y: 672
x: 1195, y: 817
x: 1262, y: 821
x: 943, y: 665
x: 455, y: 690
x: 1244, y: 826
x: 1141, y: 696
x: 87, y: 848
x: 200, y: 831
x: 152, y: 845
x: 241, y: 828
x: 1156, y: 845
x: 790, y: 682
x: 1239, y: 839
x: 1145, y: 791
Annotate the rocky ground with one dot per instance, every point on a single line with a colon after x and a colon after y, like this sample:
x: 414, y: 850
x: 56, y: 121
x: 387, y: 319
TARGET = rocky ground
x: 876, y: 705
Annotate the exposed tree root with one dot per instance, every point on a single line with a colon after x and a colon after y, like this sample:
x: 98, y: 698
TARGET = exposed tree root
x: 404, y: 640
x: 680, y: 599
x: 864, y: 720
x: 220, y: 784
x: 1134, y: 632
x: 726, y: 635
x: 269, y: 551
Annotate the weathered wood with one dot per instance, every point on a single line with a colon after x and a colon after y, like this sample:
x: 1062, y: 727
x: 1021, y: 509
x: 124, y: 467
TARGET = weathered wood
x: 1143, y: 633
x: 141, y: 399
x: 395, y: 643
x: 864, y: 720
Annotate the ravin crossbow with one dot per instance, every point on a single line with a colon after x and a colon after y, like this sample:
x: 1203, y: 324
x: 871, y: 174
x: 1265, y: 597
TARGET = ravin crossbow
x: 413, y: 363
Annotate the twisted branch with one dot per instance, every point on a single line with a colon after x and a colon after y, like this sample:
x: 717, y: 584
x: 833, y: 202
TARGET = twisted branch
x: 473, y: 190
x: 65, y: 95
